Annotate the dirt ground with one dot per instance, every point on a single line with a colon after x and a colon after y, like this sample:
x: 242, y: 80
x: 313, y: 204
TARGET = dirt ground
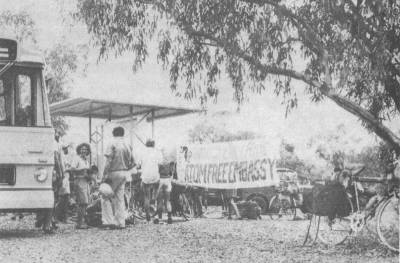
x: 198, y: 240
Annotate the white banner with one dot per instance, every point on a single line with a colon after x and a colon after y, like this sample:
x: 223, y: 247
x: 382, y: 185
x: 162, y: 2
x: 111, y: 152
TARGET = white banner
x: 228, y: 165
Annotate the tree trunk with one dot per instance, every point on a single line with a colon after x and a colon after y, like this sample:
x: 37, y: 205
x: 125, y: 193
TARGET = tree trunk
x: 381, y: 130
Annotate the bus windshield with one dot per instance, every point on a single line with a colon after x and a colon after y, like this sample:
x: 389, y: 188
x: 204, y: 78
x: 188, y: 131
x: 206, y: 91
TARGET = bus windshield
x: 22, y: 98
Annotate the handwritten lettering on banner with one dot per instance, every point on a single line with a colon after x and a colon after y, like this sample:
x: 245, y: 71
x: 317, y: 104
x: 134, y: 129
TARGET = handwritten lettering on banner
x: 228, y: 165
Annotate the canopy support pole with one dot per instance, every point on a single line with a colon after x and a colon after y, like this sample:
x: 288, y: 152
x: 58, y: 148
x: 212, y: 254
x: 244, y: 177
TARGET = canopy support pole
x: 90, y: 131
x: 101, y: 160
x: 152, y: 124
x: 131, y: 125
x: 109, y: 113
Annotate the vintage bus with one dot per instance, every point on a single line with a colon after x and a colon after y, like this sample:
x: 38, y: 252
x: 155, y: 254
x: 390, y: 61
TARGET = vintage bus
x: 26, y: 134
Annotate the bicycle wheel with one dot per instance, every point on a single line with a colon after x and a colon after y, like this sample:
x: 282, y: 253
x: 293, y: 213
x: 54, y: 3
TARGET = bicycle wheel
x: 333, y: 232
x: 293, y: 210
x: 288, y: 210
x: 388, y: 223
x: 281, y: 208
x: 275, y: 208
x: 187, y: 210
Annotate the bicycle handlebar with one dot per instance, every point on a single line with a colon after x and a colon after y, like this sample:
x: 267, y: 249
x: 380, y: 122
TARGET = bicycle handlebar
x: 370, y: 179
x: 358, y: 172
x: 355, y: 176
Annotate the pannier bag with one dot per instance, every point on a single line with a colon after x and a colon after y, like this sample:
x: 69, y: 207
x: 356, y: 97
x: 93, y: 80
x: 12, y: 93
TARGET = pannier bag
x: 327, y: 200
x: 93, y: 213
x: 249, y: 210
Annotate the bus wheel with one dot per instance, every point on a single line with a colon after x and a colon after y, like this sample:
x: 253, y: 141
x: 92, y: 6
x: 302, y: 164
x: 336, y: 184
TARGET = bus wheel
x: 261, y: 203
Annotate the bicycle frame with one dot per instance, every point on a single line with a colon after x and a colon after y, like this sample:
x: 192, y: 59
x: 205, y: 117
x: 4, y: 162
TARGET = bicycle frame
x: 372, y: 211
x: 359, y: 219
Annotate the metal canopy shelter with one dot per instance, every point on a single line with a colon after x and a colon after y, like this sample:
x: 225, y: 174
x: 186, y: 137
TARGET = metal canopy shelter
x: 116, y: 110
x: 109, y: 109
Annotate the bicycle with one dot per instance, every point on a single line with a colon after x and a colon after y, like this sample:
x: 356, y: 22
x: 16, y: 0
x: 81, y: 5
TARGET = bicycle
x: 283, y: 204
x: 386, y: 209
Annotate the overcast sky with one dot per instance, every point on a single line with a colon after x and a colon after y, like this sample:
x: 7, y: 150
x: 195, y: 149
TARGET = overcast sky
x: 263, y: 114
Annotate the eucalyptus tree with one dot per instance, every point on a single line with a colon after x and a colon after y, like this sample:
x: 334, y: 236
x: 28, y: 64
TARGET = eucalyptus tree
x: 19, y: 25
x: 62, y: 62
x: 346, y: 51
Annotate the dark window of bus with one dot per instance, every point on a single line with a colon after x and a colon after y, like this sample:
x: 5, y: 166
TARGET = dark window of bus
x: 5, y: 102
x: 40, y: 105
x: 23, y: 102
x: 3, y: 114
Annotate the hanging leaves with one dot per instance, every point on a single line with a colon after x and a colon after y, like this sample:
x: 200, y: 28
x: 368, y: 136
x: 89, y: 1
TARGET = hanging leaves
x: 349, y: 51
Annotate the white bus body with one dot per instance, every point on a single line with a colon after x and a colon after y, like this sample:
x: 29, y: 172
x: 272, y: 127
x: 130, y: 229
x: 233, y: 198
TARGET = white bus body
x: 26, y: 135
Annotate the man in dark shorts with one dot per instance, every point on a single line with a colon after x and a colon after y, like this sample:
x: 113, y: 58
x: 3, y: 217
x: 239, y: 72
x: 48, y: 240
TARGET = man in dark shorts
x: 152, y: 157
x: 164, y: 191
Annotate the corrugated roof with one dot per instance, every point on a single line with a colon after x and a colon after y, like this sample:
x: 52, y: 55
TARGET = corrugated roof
x: 105, y: 109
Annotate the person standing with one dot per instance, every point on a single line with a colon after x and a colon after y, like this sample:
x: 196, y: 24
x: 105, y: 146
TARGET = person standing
x: 119, y: 160
x: 45, y: 219
x: 80, y: 169
x: 151, y: 158
x: 58, y: 171
x: 64, y: 191
x: 164, y: 191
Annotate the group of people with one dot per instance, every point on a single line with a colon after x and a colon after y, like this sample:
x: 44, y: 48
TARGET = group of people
x: 74, y: 177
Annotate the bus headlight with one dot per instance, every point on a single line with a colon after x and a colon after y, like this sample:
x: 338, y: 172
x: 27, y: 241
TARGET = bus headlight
x: 41, y: 175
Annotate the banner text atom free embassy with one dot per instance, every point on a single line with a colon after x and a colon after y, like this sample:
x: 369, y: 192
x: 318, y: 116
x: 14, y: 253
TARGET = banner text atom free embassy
x: 228, y: 165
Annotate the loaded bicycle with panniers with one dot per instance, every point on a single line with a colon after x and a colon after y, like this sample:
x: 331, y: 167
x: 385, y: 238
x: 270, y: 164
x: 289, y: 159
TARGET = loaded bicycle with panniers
x: 338, y: 214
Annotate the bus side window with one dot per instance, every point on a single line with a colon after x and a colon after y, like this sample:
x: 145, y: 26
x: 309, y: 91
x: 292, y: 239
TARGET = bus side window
x: 40, y: 101
x: 23, y: 110
x: 5, y: 102
x: 3, y: 114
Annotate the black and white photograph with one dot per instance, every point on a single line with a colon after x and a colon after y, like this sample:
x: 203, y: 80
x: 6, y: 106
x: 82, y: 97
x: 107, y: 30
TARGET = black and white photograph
x: 194, y: 131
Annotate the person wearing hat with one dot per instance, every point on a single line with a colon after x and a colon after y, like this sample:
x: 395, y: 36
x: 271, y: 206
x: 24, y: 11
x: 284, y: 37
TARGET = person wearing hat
x: 118, y: 163
x: 80, y: 169
x: 67, y: 156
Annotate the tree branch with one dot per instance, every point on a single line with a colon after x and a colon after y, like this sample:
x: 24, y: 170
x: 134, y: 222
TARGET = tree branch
x: 312, y: 39
x: 316, y: 44
x: 359, y: 18
x: 308, y: 33
x: 324, y: 87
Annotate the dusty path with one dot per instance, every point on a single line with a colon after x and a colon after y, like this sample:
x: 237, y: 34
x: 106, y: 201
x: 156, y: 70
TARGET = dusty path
x: 200, y: 240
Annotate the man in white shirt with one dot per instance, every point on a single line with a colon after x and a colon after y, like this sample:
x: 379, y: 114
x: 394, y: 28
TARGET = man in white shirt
x: 119, y: 161
x: 152, y: 157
